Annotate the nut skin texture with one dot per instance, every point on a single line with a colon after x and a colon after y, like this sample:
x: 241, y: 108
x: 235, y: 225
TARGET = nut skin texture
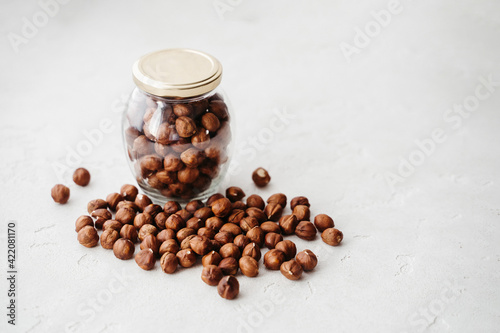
x: 288, y: 248
x: 185, y: 126
x: 171, y: 207
x: 229, y: 266
x: 200, y: 245
x: 187, y: 258
x: 307, y: 259
x: 81, y: 177
x: 203, y: 213
x: 175, y: 222
x: 273, y: 259
x: 257, y: 213
x: 125, y: 215
x: 210, y: 122
x: 230, y: 250
x: 194, y: 223
x: 248, y: 223
x: 172, y: 163
x: 222, y: 207
x: 214, y: 222
x: 256, y: 201
x: 299, y: 201
x: 129, y: 192
x: 213, y: 198
x: 127, y: 204
x: 302, y: 213
x: 147, y: 229
x: 206, y: 232
x: 332, y: 236
x: 159, y: 220
x: 145, y: 259
x: 129, y: 232
x: 224, y: 237
x: 108, y: 238
x: 184, y: 214
x: 288, y: 223
x: 165, y: 234
x: 273, y: 211
x: 150, y: 242
x: 261, y: 177
x: 211, y: 258
x: 219, y: 108
x: 153, y: 210
x: 186, y: 243
x: 277, y: 198
x: 252, y: 250
x: 101, y: 215
x: 234, y: 193
x: 112, y: 224
x: 256, y: 235
x: 323, y: 222
x: 142, y: 201
x: 194, y: 205
x: 211, y: 275
x: 170, y: 245
x: 83, y: 221
x: 270, y: 226
x: 239, y: 205
x: 241, y: 241
x: 228, y: 287
x: 88, y: 237
x: 272, y: 239
x: 169, y: 262
x: 123, y: 249
x: 232, y: 228
x: 60, y: 194
x: 291, y: 270
x: 249, y: 266
x: 185, y: 233
x: 306, y: 230
x: 113, y: 199
x: 96, y: 204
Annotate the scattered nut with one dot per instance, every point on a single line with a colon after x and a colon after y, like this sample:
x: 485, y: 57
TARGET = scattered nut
x: 88, y: 237
x: 211, y: 258
x: 332, y: 236
x: 307, y: 259
x: 81, y: 177
x: 234, y: 193
x: 299, y: 201
x: 169, y: 262
x: 306, y: 230
x: 221, y: 207
x: 129, y: 232
x: 272, y: 239
x: 187, y: 258
x: 108, y: 238
x: 291, y: 270
x: 145, y: 259
x: 261, y: 177
x: 256, y: 201
x: 228, y: 287
x: 229, y: 266
x: 273, y: 259
x: 211, y: 275
x: 230, y: 250
x: 123, y: 249
x: 323, y: 222
x: 252, y: 250
x: 113, y: 199
x: 288, y: 223
x: 83, y: 221
x: 288, y: 248
x: 249, y: 266
x: 302, y: 213
x: 60, y: 194
x: 129, y: 192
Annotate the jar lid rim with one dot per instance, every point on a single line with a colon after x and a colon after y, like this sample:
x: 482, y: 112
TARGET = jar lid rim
x: 177, y: 73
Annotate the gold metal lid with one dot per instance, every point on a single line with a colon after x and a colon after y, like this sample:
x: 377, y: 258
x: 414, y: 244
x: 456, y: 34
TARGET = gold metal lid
x: 177, y: 73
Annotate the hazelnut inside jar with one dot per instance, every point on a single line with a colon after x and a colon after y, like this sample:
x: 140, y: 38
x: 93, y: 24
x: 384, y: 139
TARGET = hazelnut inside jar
x: 176, y: 128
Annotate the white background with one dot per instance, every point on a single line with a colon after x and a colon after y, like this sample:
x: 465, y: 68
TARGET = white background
x: 421, y: 254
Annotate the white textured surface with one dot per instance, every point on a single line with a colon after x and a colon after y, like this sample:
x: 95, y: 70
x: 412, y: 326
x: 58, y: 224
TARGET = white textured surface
x: 423, y: 255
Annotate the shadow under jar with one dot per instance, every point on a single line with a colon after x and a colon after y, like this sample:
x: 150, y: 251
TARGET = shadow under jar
x: 176, y: 128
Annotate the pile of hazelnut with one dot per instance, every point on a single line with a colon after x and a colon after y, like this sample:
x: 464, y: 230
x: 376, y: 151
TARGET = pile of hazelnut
x: 226, y: 232
x: 178, y: 148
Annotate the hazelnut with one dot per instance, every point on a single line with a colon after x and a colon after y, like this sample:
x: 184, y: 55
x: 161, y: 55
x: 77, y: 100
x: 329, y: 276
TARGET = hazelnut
x: 306, y: 230
x: 234, y: 193
x: 166, y: 134
x: 229, y: 266
x: 230, y: 250
x: 228, y: 287
x: 161, y: 149
x: 83, y: 221
x: 145, y: 258
x: 147, y: 229
x: 113, y: 199
x: 214, y: 222
x: 142, y: 219
x: 224, y: 237
x: 180, y: 145
x: 108, y: 238
x: 239, y: 205
x: 203, y: 213
x: 211, y: 275
x: 252, y: 250
x: 214, y: 245
x: 249, y: 266
x: 211, y: 258
x: 213, y: 198
x: 186, y: 257
x: 307, y: 259
x: 302, y: 213
x: 129, y: 192
x: 210, y: 122
x: 323, y: 222
x: 186, y: 242
x: 194, y: 205
x: 299, y: 201
x: 160, y: 220
x: 194, y: 223
x: 169, y: 262
x: 256, y: 235
x: 123, y: 249
x: 142, y: 201
x: 171, y: 207
x: 273, y: 211
x: 231, y: 228
x: 166, y: 177
x: 241, y: 241
x: 87, y: 236
x: 165, y: 234
x: 236, y: 216
x: 112, y: 224
x: 96, y: 204
x: 219, y: 108
x: 183, y: 110
x: 188, y: 175
x: 170, y: 245
x: 81, y: 177
x: 256, y: 201
x: 200, y: 245
x: 257, y: 213
x: 151, y: 162
x: 288, y: 223
x: 288, y: 248
x: 127, y: 204
x: 272, y: 239
x: 185, y: 126
x: 221, y: 207
x: 150, y: 242
x: 184, y: 214
x: 153, y: 210
x: 200, y: 139
x: 273, y: 259
x: 270, y: 226
x: 332, y: 236
x: 142, y: 146
x: 207, y: 232
x: 175, y: 222
x: 192, y: 157
x: 277, y: 198
x: 291, y: 270
x: 129, y: 232
x: 261, y: 177
x: 101, y: 215
x: 125, y: 215
x: 248, y: 223
x: 172, y: 163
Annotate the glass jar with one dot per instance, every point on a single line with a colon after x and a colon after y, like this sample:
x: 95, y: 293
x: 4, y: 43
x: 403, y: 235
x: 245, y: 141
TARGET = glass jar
x: 176, y: 128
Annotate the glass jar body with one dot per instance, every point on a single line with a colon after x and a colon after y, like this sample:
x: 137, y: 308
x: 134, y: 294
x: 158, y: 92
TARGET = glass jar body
x: 177, y: 148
